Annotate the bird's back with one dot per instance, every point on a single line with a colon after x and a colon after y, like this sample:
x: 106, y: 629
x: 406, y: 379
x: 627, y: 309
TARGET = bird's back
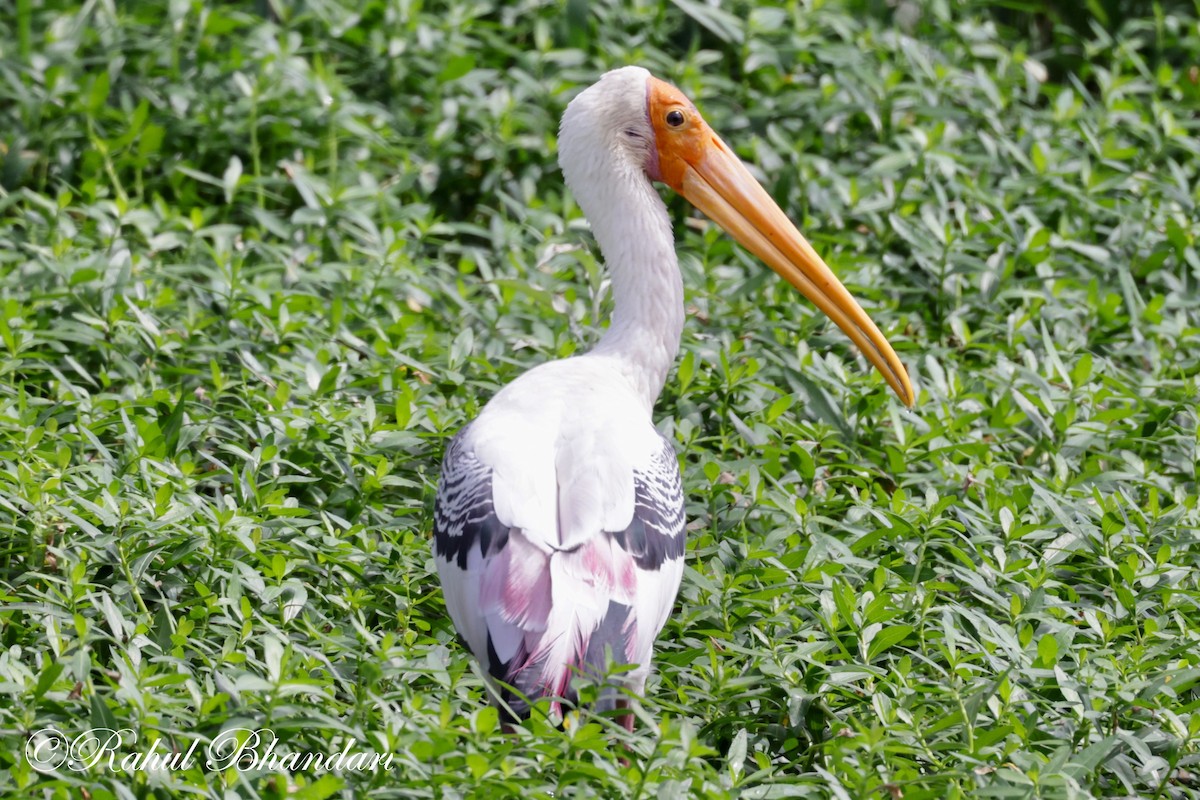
x: 559, y: 530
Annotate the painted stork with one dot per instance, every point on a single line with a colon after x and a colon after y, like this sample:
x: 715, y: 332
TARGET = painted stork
x: 559, y: 522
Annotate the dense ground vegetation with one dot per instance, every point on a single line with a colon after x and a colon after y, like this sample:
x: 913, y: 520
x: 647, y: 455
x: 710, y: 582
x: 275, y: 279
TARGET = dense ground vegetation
x: 259, y: 262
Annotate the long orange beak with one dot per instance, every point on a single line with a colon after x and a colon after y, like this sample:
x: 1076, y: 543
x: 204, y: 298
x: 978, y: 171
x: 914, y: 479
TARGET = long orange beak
x: 694, y: 161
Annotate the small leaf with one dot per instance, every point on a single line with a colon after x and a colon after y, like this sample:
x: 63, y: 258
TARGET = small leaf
x: 322, y: 788
x: 47, y: 678
x: 98, y: 94
x: 888, y: 638
x: 101, y: 715
x: 456, y: 67
x: 736, y: 758
x: 720, y: 23
x: 229, y: 180
x: 1048, y: 650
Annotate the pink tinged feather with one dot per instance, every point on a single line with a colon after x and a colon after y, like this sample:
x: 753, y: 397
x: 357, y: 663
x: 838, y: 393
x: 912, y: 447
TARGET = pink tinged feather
x: 517, y: 588
x: 576, y: 612
x: 596, y: 565
x: 600, y: 571
x: 628, y: 576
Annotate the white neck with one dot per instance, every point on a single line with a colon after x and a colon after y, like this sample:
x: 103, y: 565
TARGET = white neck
x: 603, y: 146
x: 633, y: 230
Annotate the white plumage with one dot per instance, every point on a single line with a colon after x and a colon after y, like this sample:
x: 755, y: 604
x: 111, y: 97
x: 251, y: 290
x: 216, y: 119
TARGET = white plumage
x: 564, y: 442
x: 553, y: 467
x: 559, y: 524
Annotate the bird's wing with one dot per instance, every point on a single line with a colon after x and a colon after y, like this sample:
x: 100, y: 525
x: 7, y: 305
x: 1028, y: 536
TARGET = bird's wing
x: 656, y: 540
x: 467, y: 536
x: 534, y: 609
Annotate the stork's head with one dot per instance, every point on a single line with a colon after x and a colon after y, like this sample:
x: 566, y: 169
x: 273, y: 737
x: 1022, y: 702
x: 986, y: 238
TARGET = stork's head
x: 633, y: 122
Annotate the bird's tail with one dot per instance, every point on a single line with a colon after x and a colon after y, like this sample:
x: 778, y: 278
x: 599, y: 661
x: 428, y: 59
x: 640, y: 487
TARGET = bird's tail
x: 589, y: 647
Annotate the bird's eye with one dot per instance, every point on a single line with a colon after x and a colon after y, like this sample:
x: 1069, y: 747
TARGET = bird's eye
x: 675, y: 118
x: 632, y: 134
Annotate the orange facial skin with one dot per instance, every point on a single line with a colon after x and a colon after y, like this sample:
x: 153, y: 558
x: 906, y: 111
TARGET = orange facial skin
x: 678, y: 145
x: 693, y: 161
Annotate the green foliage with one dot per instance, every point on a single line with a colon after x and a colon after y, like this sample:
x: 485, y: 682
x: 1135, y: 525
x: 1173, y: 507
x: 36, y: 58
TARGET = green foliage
x: 259, y: 261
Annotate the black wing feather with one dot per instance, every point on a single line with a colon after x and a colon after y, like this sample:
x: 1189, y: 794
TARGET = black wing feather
x: 658, y: 530
x: 463, y: 512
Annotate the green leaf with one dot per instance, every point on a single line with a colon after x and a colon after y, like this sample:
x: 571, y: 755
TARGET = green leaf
x: 171, y: 423
x: 1047, y: 650
x: 323, y: 787
x: 720, y: 23
x: 736, y: 757
x: 98, y: 93
x: 47, y: 678
x: 887, y: 638
x: 101, y: 715
x: 456, y: 67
